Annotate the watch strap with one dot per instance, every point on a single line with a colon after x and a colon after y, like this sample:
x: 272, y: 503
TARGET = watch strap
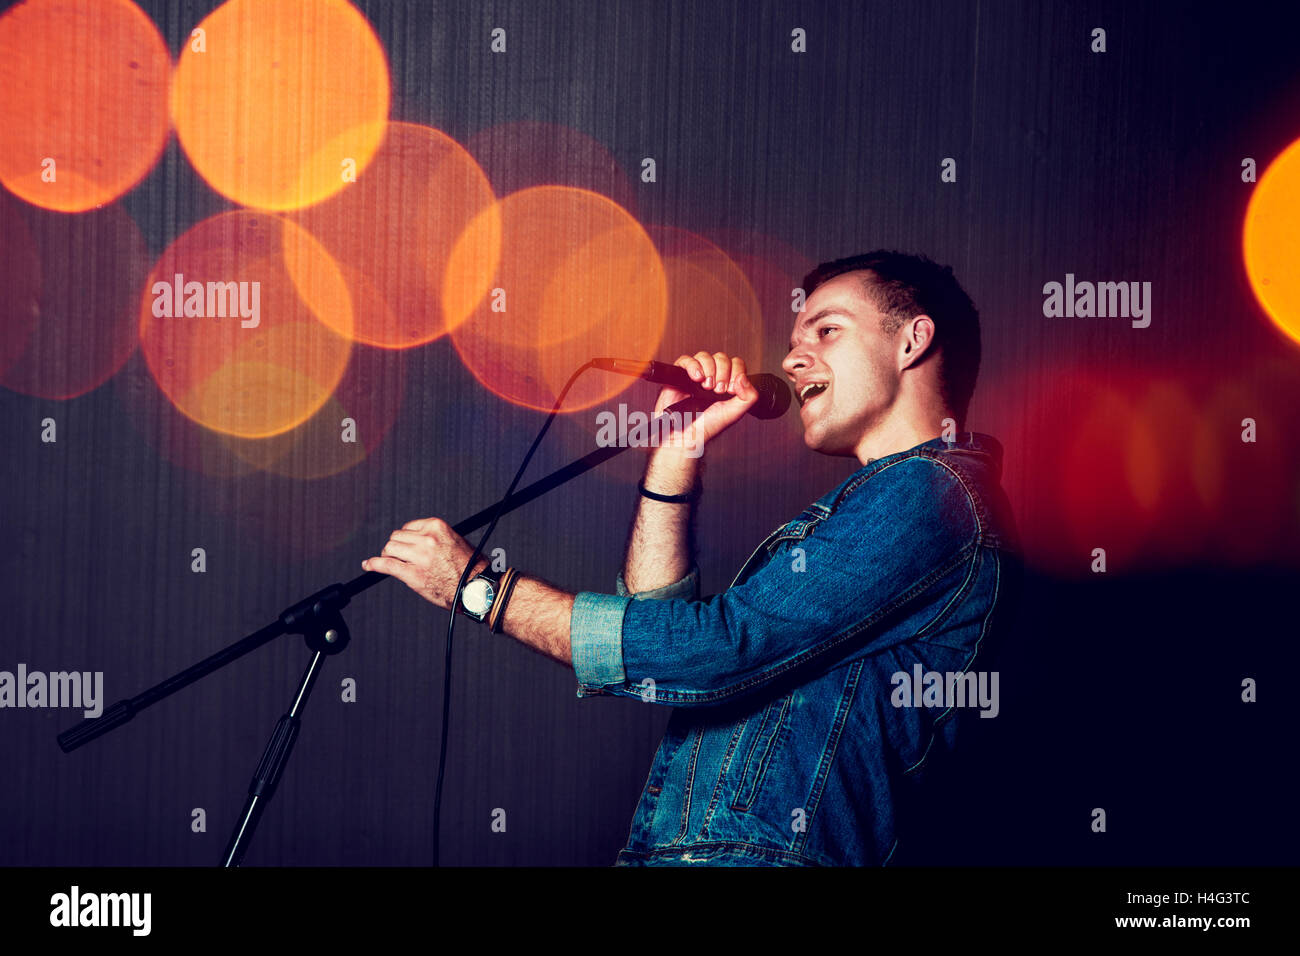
x: 497, y: 613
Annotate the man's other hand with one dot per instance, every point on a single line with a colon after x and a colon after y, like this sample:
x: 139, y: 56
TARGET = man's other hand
x: 427, y: 556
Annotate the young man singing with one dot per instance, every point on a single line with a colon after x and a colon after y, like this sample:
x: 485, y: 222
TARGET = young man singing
x: 791, y: 738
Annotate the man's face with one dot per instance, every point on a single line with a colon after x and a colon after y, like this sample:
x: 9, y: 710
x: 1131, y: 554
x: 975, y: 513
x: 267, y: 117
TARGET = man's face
x: 838, y: 343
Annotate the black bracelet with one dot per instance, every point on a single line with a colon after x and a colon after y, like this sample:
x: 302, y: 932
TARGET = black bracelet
x: 499, y: 619
x: 668, y: 499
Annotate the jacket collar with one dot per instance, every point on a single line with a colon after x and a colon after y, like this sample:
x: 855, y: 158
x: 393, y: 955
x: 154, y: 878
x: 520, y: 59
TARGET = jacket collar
x: 977, y: 445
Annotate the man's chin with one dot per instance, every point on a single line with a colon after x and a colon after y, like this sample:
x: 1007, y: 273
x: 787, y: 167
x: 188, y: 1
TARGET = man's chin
x: 819, y: 441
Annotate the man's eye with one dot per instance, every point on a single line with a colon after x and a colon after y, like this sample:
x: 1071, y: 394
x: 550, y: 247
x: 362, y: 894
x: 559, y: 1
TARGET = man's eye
x: 824, y: 329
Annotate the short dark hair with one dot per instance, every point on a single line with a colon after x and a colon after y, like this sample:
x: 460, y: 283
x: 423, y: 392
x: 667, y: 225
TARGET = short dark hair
x: 903, y: 286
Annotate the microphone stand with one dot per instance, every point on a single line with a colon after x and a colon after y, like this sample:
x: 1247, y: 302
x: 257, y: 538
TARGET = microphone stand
x: 319, y: 620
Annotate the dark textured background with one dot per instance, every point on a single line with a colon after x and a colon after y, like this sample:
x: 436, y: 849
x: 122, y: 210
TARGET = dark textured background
x: 1118, y: 691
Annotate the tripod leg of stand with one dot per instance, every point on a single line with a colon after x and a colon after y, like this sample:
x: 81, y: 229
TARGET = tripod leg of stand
x: 271, y: 766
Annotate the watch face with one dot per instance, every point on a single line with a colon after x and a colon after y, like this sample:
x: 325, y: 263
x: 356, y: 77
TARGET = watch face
x: 477, y: 597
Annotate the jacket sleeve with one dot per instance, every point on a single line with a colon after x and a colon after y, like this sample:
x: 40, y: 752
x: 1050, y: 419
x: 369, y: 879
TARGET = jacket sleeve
x: 887, y: 543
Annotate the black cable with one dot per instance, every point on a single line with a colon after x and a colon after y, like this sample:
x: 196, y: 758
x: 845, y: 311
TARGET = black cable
x: 455, y: 602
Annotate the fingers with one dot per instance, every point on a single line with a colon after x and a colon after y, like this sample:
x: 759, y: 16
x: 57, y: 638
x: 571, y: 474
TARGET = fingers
x: 715, y: 371
x: 392, y: 567
x: 693, y: 367
x: 722, y: 372
x: 409, y: 551
x: 739, y: 380
x: 408, y: 544
x: 436, y: 525
x: 428, y: 556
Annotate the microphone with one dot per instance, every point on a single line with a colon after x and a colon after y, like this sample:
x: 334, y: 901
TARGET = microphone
x: 773, y: 394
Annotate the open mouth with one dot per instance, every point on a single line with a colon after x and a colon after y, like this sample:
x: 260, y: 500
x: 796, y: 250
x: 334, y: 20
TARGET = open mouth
x: 811, y: 391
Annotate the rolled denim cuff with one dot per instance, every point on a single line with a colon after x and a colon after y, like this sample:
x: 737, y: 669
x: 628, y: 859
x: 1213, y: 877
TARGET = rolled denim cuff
x: 688, y: 588
x: 596, y: 641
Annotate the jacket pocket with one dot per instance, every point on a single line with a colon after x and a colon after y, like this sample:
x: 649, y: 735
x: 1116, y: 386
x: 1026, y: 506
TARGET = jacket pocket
x: 760, y: 753
x: 795, y: 530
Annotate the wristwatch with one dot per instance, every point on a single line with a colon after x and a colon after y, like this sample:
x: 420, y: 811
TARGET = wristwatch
x: 479, y: 594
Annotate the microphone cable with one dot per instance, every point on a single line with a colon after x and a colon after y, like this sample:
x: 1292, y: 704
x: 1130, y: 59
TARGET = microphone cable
x: 455, y: 603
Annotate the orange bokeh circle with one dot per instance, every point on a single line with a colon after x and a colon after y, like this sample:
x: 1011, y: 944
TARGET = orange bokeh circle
x: 1271, y: 241
x: 578, y: 278
x: 273, y: 358
x: 524, y: 153
x: 68, y: 315
x: 711, y: 303
x: 393, y: 230
x: 346, y: 429
x: 83, y: 101
x: 285, y: 101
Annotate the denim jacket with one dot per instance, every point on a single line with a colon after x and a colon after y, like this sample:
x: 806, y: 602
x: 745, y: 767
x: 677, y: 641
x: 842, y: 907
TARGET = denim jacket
x: 787, y: 745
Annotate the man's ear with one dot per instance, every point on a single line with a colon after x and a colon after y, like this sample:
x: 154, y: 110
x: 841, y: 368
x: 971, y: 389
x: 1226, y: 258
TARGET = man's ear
x: 916, y: 341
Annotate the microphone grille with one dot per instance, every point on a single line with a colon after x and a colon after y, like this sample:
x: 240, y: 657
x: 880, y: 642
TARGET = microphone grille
x: 773, y: 396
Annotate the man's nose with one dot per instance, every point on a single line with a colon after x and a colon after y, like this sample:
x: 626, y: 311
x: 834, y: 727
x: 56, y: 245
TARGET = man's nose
x: 795, y: 361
